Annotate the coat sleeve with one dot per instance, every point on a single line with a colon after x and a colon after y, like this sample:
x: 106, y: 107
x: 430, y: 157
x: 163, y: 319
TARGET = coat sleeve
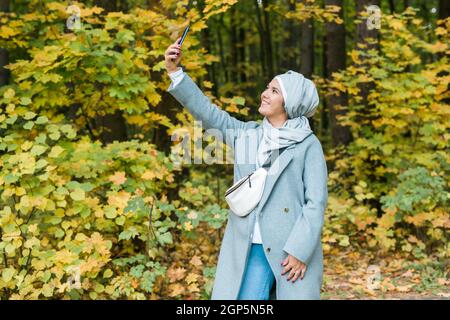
x: 307, y: 230
x: 189, y: 95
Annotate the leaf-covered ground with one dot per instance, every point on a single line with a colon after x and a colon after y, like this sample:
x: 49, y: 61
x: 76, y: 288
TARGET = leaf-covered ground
x: 349, y: 274
x: 364, y: 275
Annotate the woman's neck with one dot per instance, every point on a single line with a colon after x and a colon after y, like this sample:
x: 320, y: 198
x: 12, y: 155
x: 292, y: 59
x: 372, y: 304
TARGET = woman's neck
x: 277, y: 122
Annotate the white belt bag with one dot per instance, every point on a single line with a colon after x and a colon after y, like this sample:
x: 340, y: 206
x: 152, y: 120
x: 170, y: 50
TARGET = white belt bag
x: 245, y: 194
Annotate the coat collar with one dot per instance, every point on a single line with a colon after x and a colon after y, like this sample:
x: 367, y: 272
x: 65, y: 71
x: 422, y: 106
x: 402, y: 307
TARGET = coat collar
x: 274, y: 173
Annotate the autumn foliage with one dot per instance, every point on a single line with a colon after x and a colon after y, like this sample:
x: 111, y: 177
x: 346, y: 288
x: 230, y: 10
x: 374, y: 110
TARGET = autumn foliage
x: 86, y: 218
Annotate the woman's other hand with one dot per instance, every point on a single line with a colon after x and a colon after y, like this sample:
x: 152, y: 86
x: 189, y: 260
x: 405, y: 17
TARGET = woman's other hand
x: 173, y: 56
x: 295, y: 267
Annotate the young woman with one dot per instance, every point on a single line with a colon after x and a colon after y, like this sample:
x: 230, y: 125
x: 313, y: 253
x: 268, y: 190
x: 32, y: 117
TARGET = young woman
x: 279, y: 242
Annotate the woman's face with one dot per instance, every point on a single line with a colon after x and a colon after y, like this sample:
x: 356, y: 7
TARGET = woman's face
x: 272, y: 102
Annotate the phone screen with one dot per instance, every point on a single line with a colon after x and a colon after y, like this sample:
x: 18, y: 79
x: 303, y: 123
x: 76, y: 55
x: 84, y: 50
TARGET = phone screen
x: 184, y: 35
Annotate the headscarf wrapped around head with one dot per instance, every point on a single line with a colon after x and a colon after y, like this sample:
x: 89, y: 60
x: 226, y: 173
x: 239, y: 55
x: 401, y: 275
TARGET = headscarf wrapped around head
x: 300, y: 94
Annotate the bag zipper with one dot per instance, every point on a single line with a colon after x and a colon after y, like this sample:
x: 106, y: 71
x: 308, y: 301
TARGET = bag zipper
x: 239, y: 184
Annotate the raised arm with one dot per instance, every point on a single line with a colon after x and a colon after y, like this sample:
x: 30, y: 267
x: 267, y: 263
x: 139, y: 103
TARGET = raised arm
x: 189, y: 95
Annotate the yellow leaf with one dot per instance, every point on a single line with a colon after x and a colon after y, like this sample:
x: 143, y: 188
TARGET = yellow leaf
x: 175, y: 274
x: 10, y: 93
x: 118, y: 178
x: 78, y: 194
x: 193, y: 287
x: 405, y: 288
x: 440, y: 31
x: 396, y: 24
x: 196, y: 261
x: 55, y: 152
x: 7, y: 32
x: 199, y: 25
x: 188, y: 226
x: 438, y: 47
x: 175, y: 289
x: 120, y: 199
x: 32, y: 228
x: 191, y: 277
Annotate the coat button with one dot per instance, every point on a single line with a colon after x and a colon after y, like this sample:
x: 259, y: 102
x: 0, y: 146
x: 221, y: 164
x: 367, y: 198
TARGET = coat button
x: 286, y: 210
x: 268, y: 249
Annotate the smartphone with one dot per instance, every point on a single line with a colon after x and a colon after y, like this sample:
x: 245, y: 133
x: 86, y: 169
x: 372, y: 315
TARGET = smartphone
x: 183, y: 37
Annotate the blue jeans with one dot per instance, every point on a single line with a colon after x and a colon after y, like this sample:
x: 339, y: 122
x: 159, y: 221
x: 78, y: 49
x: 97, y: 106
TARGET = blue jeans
x: 258, y: 276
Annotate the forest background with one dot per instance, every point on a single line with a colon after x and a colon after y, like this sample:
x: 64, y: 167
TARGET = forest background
x: 93, y: 204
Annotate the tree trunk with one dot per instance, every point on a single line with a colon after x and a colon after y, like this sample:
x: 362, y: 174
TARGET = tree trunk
x: 392, y: 6
x: 4, y: 59
x: 444, y: 9
x: 405, y: 4
x: 324, y: 115
x: 262, y: 51
x: 363, y: 34
x: 233, y: 46
x: 289, y: 60
x: 336, y: 56
x: 307, y: 47
x: 221, y: 50
x: 112, y: 126
x: 365, y: 116
x: 108, y: 5
x: 307, y: 52
x: 206, y: 40
x: 242, y: 57
x: 268, y: 39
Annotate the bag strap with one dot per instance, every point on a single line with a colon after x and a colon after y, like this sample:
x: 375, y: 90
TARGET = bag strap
x: 268, y: 161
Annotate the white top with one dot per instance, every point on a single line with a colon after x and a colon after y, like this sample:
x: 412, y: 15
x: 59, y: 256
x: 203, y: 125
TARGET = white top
x: 176, y: 78
x: 256, y: 233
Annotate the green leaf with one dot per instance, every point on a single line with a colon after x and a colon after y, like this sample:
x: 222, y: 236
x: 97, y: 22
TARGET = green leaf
x: 78, y: 194
x: 41, y: 120
x: 239, y: 100
x: 108, y: 273
x: 11, y: 178
x: 128, y: 234
x: 29, y: 125
x: 166, y: 238
x: 8, y: 274
x: 55, y: 135
x: 110, y: 212
x: 125, y: 36
x: 38, y: 150
x: 41, y: 163
x: 59, y: 233
x: 68, y: 130
x: 25, y: 101
x: 120, y: 220
x: 10, y: 248
x: 29, y: 115
x: 55, y: 152
x: 11, y: 119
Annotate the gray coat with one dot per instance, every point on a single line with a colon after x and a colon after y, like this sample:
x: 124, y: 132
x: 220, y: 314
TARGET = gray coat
x: 291, y: 210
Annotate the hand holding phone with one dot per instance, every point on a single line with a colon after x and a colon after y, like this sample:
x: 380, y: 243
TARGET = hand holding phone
x: 173, y: 53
